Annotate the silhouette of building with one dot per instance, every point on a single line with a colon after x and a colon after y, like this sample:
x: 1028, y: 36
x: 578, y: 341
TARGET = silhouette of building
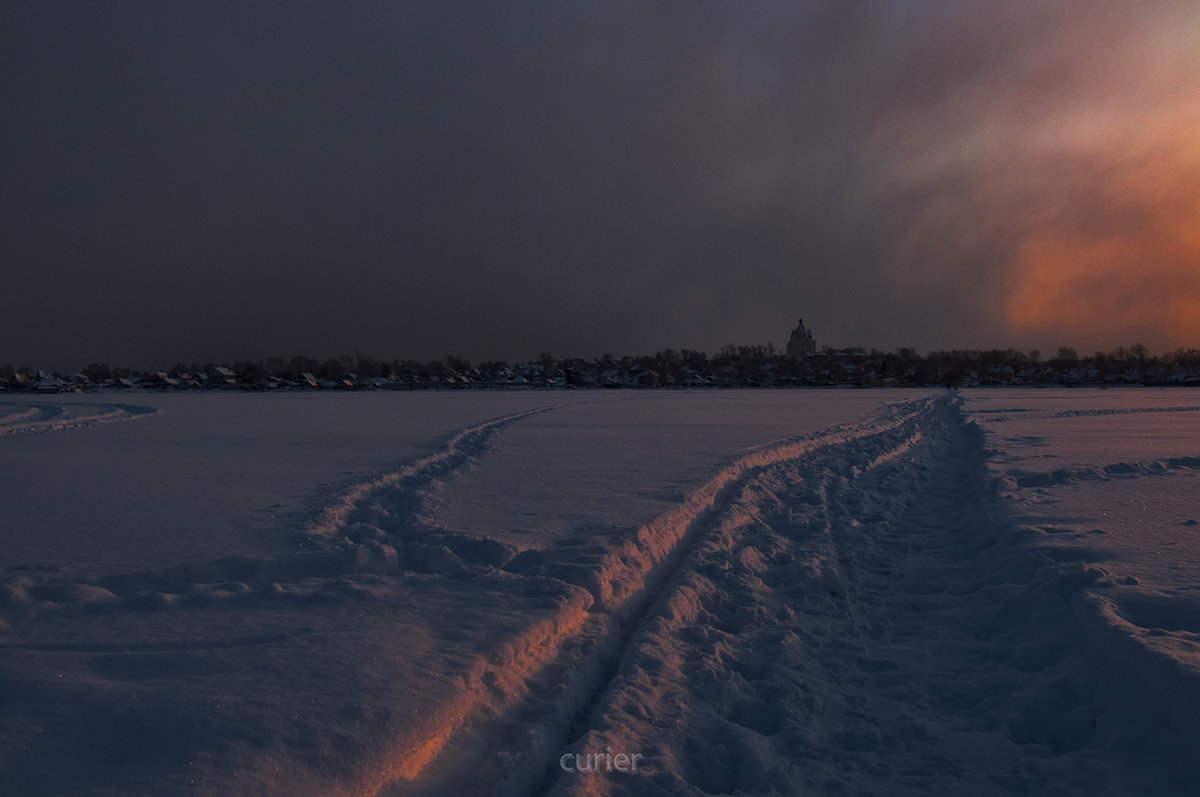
x: 801, y: 343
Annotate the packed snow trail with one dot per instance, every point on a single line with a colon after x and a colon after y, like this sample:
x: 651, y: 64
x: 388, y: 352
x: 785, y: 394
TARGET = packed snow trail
x: 25, y: 417
x: 624, y: 581
x: 177, y: 665
x: 813, y: 642
x: 864, y: 621
x: 370, y: 528
x: 847, y: 614
x: 853, y: 610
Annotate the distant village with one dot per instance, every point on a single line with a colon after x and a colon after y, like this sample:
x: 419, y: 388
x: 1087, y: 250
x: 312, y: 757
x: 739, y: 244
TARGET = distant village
x: 801, y: 364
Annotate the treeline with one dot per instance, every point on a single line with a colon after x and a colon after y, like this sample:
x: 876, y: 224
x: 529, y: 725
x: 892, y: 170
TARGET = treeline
x: 732, y: 366
x: 750, y: 365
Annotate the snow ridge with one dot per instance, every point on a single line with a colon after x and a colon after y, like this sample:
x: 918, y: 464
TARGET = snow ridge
x: 1005, y: 415
x: 382, y: 518
x: 1147, y: 467
x: 359, y: 499
x: 25, y: 418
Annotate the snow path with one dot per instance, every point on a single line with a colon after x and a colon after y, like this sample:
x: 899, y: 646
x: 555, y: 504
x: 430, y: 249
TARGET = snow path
x: 851, y: 613
x: 812, y: 643
x: 387, y: 662
x: 347, y: 545
x: 25, y: 417
x: 534, y: 727
x: 211, y: 474
x: 868, y: 609
x: 388, y: 509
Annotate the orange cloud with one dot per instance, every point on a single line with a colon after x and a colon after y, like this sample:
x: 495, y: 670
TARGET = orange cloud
x: 1085, y: 165
x: 1113, y: 256
x: 1138, y: 280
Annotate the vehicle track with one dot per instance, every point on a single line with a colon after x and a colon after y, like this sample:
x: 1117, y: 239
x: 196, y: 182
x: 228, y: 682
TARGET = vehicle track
x: 779, y: 658
x: 630, y: 586
x: 369, y: 529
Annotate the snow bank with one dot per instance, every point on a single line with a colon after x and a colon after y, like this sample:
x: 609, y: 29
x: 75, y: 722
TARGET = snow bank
x: 1102, y: 500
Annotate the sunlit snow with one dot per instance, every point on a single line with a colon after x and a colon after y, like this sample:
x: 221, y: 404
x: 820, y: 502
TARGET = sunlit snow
x: 600, y: 592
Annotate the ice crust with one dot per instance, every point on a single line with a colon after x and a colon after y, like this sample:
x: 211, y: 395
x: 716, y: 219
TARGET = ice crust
x: 757, y: 592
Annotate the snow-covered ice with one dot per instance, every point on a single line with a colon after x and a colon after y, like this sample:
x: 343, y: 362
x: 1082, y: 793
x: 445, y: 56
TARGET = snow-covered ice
x: 150, y: 480
x: 740, y: 592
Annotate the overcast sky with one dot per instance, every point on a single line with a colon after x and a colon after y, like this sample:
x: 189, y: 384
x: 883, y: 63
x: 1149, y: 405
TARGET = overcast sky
x: 208, y: 181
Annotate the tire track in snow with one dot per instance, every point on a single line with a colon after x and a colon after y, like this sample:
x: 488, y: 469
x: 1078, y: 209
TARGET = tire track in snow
x: 351, y: 577
x: 536, y: 725
x: 457, y: 450
x: 868, y: 620
x: 30, y: 418
x: 688, y: 599
x: 357, y: 534
x: 764, y: 665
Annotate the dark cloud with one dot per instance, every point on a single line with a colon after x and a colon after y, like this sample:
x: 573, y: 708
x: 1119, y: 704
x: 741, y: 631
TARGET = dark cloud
x: 216, y: 180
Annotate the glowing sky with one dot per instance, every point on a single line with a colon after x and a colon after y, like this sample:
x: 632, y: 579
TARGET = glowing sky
x: 217, y: 180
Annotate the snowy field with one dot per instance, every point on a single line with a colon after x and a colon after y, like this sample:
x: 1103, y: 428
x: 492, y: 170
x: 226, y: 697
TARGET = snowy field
x: 551, y: 593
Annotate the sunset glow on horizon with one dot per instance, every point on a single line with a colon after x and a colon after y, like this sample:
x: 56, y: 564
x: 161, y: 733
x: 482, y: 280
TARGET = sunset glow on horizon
x: 1119, y: 260
x: 411, y: 181
x: 1093, y: 290
x: 1099, y: 207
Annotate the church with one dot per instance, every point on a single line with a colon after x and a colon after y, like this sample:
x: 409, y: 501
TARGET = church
x: 801, y: 343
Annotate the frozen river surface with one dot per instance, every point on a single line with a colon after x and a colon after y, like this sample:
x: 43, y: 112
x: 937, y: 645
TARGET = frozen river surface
x: 528, y: 593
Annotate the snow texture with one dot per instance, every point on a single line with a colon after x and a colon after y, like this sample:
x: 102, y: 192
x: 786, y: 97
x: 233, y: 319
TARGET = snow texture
x: 775, y: 592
